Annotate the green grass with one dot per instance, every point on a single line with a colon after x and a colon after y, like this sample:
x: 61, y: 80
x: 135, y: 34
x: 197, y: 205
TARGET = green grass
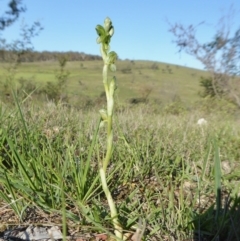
x: 180, y: 179
x: 164, y: 170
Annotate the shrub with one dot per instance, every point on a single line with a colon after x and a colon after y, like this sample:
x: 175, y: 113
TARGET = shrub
x: 176, y: 107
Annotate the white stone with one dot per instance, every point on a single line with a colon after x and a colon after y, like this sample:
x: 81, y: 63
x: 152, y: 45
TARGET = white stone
x: 201, y: 122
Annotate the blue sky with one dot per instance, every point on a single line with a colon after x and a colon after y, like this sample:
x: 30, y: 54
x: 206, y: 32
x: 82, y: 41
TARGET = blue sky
x: 141, y: 29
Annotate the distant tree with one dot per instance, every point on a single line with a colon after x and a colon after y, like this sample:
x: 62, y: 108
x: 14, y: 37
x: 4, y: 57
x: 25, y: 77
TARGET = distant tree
x: 55, y: 91
x: 15, y: 7
x: 220, y: 57
x: 23, y: 44
x: 13, y: 53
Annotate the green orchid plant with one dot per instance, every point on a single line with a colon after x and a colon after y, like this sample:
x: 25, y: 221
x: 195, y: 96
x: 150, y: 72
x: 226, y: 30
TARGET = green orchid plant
x: 105, y: 34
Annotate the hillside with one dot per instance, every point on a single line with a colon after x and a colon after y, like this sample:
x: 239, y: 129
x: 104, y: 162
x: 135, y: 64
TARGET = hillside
x: 136, y: 79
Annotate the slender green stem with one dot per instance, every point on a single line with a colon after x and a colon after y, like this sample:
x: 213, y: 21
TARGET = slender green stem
x: 109, y: 144
x: 113, y: 210
x: 105, y: 33
x: 103, y: 168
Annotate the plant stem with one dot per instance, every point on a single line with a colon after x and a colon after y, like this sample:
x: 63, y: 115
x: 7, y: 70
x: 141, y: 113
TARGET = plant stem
x: 103, y: 166
x: 109, y: 86
x: 113, y: 210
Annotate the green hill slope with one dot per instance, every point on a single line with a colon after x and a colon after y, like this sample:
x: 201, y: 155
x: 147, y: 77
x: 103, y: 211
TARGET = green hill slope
x: 136, y: 79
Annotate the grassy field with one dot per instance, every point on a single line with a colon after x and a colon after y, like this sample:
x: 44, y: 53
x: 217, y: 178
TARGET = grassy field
x: 178, y: 178
x: 135, y: 79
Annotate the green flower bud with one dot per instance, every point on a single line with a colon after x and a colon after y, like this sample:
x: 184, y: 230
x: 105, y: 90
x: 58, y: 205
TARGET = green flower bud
x: 111, y: 57
x: 103, y: 114
x: 107, y: 24
x: 107, y: 39
x: 101, y: 33
x: 113, y: 67
x: 111, y: 31
x: 99, y: 40
x: 102, y: 123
